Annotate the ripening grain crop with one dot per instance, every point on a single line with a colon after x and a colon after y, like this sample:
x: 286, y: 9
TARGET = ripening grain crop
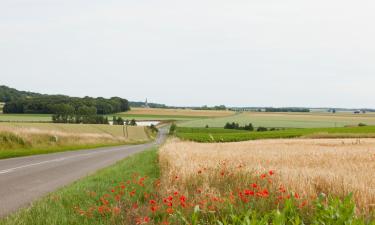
x: 307, y: 166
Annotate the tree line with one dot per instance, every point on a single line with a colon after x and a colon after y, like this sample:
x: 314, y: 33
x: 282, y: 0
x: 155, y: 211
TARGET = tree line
x: 248, y: 127
x: 289, y: 109
x: 50, y: 104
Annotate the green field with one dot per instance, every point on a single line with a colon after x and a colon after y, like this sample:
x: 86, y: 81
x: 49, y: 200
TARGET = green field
x: 287, y: 120
x: 58, y: 208
x: 228, y: 135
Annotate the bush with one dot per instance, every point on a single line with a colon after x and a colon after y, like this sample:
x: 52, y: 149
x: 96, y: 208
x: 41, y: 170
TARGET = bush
x: 172, y: 129
x: 362, y: 124
x: 262, y: 129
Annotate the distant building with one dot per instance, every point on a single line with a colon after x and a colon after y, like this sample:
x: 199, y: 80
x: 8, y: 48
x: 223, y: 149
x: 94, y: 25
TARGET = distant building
x: 146, y: 104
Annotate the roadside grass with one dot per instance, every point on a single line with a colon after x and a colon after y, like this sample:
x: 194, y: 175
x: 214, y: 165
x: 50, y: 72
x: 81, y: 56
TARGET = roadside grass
x: 286, y: 120
x: 60, y: 207
x: 228, y: 135
x: 24, y: 139
x: 20, y: 152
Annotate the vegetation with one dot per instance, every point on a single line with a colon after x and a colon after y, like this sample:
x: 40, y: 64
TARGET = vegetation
x: 172, y: 129
x: 236, y: 126
x: 65, y: 113
x: 8, y: 94
x: 227, y: 135
x: 144, y: 190
x: 288, y: 109
x: 181, y: 113
x: 304, y: 167
x: 33, y: 103
x: 286, y: 120
x: 22, y: 139
x: 65, y: 206
x: 25, y: 117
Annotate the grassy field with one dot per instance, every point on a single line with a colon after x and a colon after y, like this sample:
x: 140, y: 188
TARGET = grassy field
x: 228, y: 135
x: 25, y: 118
x: 21, y: 139
x: 172, y: 114
x: 287, y: 120
x: 218, y: 186
x: 308, y: 167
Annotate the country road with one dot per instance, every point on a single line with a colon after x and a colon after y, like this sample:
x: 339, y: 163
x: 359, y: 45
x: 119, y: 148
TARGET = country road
x: 25, y: 179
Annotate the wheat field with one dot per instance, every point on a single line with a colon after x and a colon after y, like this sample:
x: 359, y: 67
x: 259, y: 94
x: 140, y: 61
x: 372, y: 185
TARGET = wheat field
x: 307, y: 166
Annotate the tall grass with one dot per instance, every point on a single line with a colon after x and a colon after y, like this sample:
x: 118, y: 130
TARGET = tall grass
x: 29, y: 139
x: 309, y: 167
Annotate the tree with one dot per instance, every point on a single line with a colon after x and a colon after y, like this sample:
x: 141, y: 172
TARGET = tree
x: 133, y: 122
x: 261, y: 129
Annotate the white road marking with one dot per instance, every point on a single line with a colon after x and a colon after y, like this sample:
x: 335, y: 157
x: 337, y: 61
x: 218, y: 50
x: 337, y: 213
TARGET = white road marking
x: 53, y: 160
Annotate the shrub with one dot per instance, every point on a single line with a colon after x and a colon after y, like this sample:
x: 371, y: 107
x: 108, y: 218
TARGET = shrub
x: 172, y: 129
x: 262, y: 129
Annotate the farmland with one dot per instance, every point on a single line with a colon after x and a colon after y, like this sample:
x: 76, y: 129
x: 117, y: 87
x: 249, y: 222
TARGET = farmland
x: 20, y: 139
x: 25, y: 118
x: 287, y: 120
x: 308, y: 167
x: 229, y: 135
x: 220, y: 185
x: 172, y: 114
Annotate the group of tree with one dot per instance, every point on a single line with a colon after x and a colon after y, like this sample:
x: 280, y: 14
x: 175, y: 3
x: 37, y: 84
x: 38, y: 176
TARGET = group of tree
x: 65, y: 113
x: 120, y: 121
x: 29, y: 102
x: 236, y: 126
x: 248, y: 127
x: 8, y: 94
x: 287, y: 109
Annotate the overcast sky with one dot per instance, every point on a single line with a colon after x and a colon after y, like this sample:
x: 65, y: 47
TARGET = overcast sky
x: 193, y: 52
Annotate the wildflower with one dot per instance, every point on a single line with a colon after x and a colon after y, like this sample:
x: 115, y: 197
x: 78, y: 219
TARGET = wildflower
x: 249, y: 192
x: 271, y: 172
x: 182, y: 198
x: 296, y: 195
x: 116, y: 210
x: 154, y: 208
x: 152, y: 202
x: 169, y: 210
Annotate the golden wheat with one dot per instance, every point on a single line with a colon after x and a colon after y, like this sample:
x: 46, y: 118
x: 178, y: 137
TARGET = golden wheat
x: 308, y: 166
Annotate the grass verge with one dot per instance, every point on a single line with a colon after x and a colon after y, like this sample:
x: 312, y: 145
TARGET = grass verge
x: 13, y: 153
x: 60, y: 207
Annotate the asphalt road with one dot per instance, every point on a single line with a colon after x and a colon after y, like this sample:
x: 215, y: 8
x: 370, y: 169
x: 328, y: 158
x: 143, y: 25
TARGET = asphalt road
x: 25, y: 179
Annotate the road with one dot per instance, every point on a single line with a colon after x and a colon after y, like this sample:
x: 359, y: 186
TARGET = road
x: 25, y: 179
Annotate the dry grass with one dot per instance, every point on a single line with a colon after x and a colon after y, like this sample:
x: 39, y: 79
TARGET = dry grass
x: 310, y: 167
x: 179, y: 112
x: 45, y: 135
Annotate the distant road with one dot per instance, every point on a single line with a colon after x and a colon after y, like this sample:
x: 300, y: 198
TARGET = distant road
x: 25, y: 179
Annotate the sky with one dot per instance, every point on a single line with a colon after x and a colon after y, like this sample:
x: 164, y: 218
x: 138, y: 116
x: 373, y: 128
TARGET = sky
x: 189, y: 53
